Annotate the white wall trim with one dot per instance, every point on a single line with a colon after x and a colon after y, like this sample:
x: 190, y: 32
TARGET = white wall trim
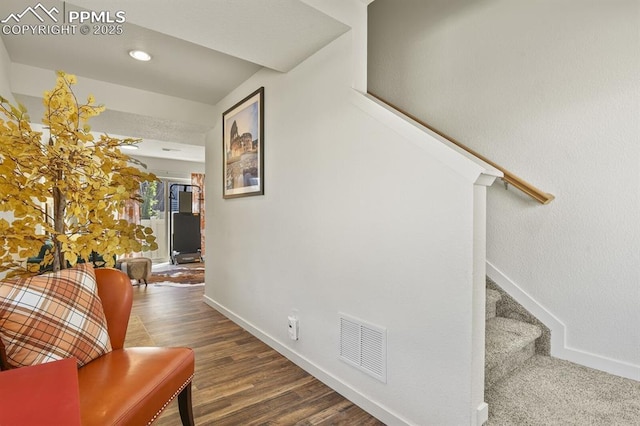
x: 479, y: 301
x: 463, y: 163
x: 482, y: 413
x: 559, y: 347
x: 379, y: 411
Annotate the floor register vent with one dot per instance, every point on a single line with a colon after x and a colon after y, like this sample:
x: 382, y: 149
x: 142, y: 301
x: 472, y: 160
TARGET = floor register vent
x: 364, y: 346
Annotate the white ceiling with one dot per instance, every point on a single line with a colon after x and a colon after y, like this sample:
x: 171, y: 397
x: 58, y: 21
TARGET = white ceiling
x: 201, y: 49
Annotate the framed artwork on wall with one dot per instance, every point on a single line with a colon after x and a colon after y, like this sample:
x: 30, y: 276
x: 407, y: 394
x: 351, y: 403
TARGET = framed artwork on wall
x: 243, y: 147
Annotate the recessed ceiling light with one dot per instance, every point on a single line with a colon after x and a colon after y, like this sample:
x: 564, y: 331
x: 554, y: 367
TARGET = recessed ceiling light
x: 129, y: 147
x: 140, y: 55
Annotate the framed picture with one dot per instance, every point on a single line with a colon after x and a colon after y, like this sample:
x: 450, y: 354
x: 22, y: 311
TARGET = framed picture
x: 243, y: 147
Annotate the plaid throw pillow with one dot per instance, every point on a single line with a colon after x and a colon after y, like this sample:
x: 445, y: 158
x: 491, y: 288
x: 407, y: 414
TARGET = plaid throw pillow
x: 53, y: 316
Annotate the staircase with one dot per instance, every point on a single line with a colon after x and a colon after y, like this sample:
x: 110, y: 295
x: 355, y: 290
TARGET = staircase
x: 524, y: 385
x: 509, y: 342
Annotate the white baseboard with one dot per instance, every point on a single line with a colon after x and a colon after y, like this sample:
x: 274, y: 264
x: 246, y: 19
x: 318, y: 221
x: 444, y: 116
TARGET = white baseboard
x: 380, y: 412
x: 559, y: 348
x: 482, y: 414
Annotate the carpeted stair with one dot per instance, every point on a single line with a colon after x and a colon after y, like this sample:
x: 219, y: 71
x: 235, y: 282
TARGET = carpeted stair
x: 493, y: 297
x: 509, y: 343
x: 524, y: 385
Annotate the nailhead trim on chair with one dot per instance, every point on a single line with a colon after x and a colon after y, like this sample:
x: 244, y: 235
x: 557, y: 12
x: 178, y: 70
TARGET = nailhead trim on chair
x: 153, y: 419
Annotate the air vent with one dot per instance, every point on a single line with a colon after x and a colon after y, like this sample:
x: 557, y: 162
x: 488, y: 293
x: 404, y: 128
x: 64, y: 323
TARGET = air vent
x: 364, y: 346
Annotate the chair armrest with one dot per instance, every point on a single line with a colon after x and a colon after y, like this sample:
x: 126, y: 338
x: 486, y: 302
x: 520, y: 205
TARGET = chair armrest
x: 116, y: 293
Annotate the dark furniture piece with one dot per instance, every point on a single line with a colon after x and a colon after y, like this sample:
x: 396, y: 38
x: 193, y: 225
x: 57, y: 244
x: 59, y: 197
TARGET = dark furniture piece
x: 184, y: 225
x: 37, y: 260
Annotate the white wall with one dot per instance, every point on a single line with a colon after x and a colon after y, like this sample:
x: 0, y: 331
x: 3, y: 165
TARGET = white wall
x: 5, y: 91
x: 5, y: 73
x: 354, y: 219
x: 548, y: 89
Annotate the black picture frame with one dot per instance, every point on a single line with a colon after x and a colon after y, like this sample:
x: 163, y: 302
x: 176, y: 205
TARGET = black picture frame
x: 243, y: 147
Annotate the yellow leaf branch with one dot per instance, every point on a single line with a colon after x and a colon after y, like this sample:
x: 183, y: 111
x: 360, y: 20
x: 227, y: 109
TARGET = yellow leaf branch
x: 67, y: 188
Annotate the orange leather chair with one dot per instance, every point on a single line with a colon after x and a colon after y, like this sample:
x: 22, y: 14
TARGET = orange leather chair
x: 130, y: 386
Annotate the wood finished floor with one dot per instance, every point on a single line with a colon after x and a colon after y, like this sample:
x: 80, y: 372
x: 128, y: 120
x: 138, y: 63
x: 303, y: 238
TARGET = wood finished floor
x: 238, y: 380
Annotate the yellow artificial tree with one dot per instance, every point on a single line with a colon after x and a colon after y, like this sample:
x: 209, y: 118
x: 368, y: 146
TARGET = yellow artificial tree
x: 66, y: 187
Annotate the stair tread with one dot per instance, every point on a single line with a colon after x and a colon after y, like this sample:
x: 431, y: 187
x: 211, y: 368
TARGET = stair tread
x: 493, y: 296
x: 505, y: 336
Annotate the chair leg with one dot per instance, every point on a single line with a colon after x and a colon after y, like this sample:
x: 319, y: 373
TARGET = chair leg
x: 184, y: 405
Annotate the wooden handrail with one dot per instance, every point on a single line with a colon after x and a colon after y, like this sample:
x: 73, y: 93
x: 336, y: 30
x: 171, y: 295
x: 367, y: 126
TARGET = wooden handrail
x: 509, y: 178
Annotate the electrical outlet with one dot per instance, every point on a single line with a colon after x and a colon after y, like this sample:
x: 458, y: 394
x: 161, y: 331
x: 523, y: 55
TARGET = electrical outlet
x: 293, y: 327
